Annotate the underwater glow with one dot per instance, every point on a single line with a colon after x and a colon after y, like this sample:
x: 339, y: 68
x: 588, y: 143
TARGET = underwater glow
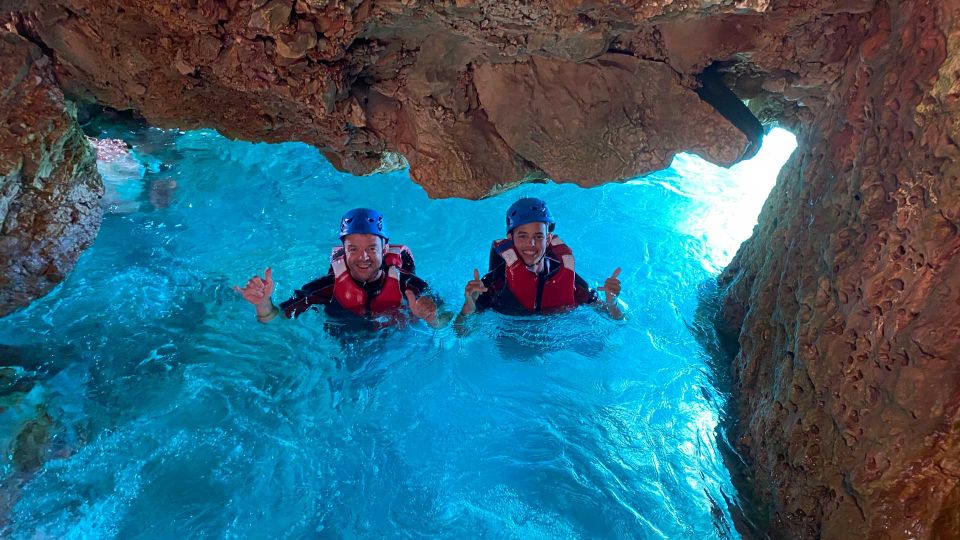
x: 142, y: 400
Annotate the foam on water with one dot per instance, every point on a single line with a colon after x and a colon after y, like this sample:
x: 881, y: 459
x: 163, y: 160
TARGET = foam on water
x: 160, y: 408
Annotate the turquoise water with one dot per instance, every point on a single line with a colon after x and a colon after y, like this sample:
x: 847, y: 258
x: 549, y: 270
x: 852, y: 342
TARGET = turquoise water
x: 142, y: 399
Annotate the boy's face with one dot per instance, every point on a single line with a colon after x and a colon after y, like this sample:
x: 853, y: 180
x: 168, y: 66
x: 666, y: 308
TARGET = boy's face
x: 531, y: 240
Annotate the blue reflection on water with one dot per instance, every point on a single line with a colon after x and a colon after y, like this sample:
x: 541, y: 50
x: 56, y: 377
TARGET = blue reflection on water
x: 144, y: 401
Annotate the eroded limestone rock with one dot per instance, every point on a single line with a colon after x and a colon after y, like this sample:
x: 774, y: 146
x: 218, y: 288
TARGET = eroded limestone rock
x: 122, y: 175
x: 601, y: 120
x: 363, y: 78
x: 847, y: 299
x: 49, y: 186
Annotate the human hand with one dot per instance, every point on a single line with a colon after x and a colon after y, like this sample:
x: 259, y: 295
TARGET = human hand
x: 474, y: 288
x: 471, y: 292
x: 611, y: 287
x: 258, y: 291
x: 423, y: 308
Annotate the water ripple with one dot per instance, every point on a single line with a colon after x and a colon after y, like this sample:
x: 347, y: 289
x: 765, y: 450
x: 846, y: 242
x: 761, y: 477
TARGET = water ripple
x: 141, y: 399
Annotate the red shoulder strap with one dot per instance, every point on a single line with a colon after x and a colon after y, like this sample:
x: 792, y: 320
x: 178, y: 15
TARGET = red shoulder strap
x: 393, y: 256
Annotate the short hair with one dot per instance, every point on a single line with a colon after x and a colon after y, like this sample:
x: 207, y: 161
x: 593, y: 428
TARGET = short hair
x: 383, y: 241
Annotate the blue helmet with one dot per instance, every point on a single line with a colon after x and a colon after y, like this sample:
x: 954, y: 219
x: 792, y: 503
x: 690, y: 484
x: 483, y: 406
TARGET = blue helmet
x: 363, y: 221
x: 529, y: 210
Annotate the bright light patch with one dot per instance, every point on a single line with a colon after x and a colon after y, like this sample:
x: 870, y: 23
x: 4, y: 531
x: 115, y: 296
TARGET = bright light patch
x: 728, y: 202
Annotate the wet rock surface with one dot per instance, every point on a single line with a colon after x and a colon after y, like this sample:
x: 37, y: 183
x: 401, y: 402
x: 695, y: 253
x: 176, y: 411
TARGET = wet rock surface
x: 39, y: 422
x: 847, y: 299
x: 49, y: 186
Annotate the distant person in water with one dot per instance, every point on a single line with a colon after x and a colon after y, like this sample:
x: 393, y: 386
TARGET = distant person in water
x: 367, y: 277
x: 532, y: 271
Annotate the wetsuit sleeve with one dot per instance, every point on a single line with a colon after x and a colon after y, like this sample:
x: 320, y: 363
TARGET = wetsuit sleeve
x: 406, y: 262
x: 582, y: 293
x: 494, y: 281
x: 316, y: 292
x: 410, y: 282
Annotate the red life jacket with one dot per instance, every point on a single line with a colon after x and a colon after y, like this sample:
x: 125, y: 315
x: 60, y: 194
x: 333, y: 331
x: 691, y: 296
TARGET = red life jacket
x: 558, y: 291
x: 352, y: 296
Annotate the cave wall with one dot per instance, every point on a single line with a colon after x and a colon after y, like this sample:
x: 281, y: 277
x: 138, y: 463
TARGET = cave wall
x: 49, y: 185
x: 847, y: 299
x: 361, y: 79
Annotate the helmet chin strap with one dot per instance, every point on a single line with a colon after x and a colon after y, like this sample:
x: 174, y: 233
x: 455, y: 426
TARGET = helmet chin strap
x: 533, y: 267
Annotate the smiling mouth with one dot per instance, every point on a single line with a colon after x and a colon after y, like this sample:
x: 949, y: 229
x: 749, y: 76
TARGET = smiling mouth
x: 363, y: 270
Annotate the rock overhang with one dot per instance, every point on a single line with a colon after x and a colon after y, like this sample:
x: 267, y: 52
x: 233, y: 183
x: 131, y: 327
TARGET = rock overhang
x: 363, y: 79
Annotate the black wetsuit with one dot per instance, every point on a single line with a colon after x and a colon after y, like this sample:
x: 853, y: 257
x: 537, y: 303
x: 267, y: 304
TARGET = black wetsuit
x: 320, y: 292
x: 499, y: 298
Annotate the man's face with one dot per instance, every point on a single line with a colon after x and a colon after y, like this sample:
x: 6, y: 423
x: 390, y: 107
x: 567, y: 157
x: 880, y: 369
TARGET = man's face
x: 531, y: 241
x: 364, y: 255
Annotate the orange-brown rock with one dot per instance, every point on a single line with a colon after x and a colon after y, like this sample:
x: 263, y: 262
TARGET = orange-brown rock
x: 847, y: 298
x: 49, y: 185
x: 360, y: 79
x: 615, y: 126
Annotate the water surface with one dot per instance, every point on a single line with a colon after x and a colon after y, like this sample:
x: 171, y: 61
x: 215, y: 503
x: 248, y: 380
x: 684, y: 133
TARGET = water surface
x: 142, y: 399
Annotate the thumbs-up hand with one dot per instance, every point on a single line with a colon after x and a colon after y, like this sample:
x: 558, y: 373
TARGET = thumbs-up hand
x: 474, y: 287
x: 423, y: 308
x: 471, y: 292
x: 611, y: 287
